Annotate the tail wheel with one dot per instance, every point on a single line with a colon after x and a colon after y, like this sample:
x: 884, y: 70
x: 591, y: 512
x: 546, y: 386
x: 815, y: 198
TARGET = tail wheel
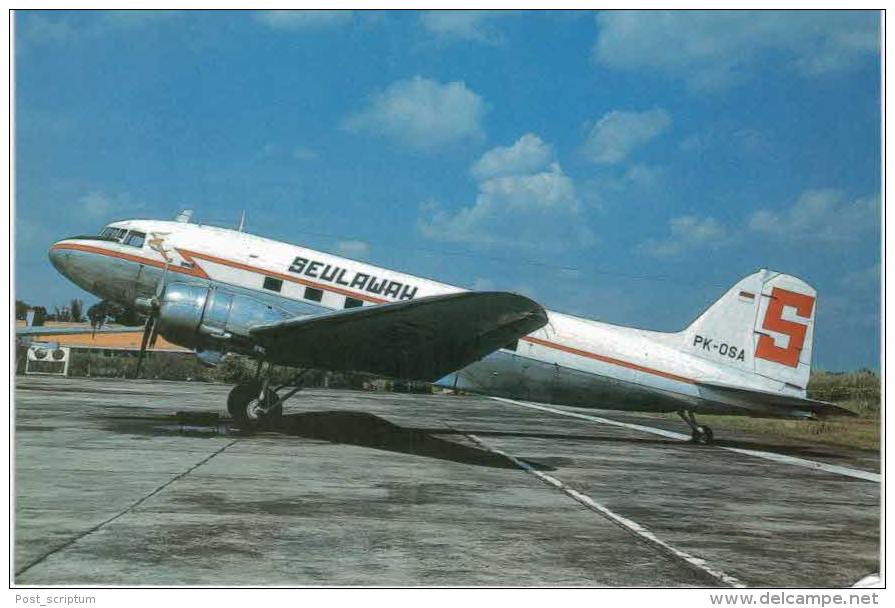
x: 249, y: 410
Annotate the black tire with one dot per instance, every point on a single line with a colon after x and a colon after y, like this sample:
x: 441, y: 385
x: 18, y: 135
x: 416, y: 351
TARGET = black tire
x: 239, y: 397
x: 242, y: 395
x: 275, y: 415
x: 702, y: 435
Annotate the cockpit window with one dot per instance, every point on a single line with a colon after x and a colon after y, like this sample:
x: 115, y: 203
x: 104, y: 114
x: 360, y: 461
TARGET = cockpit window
x: 113, y: 234
x: 135, y: 239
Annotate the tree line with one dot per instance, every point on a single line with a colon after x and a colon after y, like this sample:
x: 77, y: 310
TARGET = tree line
x: 73, y: 312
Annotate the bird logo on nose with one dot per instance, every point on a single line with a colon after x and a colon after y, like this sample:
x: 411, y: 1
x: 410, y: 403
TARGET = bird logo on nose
x: 157, y: 242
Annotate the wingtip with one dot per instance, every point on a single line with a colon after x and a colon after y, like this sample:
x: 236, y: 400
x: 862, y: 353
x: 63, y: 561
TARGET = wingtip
x: 535, y: 310
x: 522, y: 306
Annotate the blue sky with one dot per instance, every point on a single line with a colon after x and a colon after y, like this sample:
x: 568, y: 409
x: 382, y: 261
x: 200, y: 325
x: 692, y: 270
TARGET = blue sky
x: 627, y: 167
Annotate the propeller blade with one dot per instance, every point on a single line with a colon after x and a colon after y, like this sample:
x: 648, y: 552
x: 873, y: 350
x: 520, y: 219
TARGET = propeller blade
x: 147, y: 331
x: 161, y: 283
x: 150, y: 330
x: 154, y: 335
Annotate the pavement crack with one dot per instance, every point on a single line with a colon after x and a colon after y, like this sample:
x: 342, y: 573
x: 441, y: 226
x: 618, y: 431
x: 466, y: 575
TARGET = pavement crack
x: 640, y: 532
x: 123, y: 512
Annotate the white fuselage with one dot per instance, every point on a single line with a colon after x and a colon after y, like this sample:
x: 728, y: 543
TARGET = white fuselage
x: 571, y: 360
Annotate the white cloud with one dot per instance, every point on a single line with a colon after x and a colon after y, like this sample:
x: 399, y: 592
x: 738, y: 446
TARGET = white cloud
x: 642, y: 176
x: 686, y: 233
x: 528, y: 155
x: 136, y: 18
x: 353, y: 249
x: 863, y: 279
x: 696, y: 142
x: 617, y: 134
x: 534, y: 211
x: 483, y: 284
x: 744, y: 141
x: 620, y: 186
x: 41, y: 28
x: 276, y: 151
x: 304, y: 153
x: 69, y: 28
x: 30, y: 232
x: 524, y: 200
x: 303, y: 19
x: 473, y: 26
x: 423, y: 113
x: 846, y: 313
x: 822, y: 217
x: 825, y: 216
x: 714, y: 49
x: 97, y: 205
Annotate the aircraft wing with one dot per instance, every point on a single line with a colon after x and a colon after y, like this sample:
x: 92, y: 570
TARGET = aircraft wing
x: 771, y: 404
x: 422, y: 339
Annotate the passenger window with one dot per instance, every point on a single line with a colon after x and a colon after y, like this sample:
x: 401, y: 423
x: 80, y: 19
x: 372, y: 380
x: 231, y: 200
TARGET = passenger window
x: 353, y: 303
x: 312, y: 294
x: 273, y: 284
x: 135, y: 239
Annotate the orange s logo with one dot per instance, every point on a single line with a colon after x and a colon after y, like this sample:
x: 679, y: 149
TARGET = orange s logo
x: 774, y: 321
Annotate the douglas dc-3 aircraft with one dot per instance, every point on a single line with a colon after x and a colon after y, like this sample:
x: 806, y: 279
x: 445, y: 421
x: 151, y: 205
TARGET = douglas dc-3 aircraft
x: 219, y: 291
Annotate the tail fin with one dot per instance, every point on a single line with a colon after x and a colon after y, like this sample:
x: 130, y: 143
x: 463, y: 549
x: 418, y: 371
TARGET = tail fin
x: 764, y: 324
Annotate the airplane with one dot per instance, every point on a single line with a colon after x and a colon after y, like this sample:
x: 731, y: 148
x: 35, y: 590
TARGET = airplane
x: 216, y: 291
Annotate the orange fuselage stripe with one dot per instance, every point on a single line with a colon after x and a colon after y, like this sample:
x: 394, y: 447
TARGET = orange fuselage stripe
x: 605, y: 359
x: 284, y: 277
x: 197, y: 271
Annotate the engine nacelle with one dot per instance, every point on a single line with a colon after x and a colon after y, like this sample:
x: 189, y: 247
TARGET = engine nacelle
x: 201, y: 317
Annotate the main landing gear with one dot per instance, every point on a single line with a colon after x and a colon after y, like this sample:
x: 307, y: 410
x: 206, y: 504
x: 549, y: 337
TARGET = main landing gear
x: 701, y: 433
x: 255, y: 404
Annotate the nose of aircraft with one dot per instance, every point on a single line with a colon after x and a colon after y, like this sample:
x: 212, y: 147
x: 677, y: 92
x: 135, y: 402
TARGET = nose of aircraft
x: 58, y: 258
x: 88, y: 269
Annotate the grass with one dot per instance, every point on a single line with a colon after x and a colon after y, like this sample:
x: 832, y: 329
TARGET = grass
x: 857, y: 391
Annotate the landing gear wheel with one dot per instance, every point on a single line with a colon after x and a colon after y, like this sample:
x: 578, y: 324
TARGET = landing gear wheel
x: 249, y: 410
x: 702, y: 435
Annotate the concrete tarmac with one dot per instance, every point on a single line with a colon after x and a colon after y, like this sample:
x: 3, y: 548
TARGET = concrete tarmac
x: 145, y: 483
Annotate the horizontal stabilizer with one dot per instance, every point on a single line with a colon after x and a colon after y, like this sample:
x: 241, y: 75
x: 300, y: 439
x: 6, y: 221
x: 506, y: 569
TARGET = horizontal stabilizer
x: 422, y: 339
x: 771, y: 404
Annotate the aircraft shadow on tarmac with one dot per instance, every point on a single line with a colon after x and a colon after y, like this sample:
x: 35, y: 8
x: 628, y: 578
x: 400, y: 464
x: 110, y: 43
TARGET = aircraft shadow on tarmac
x: 789, y: 450
x: 371, y: 431
x: 345, y: 427
x: 368, y: 430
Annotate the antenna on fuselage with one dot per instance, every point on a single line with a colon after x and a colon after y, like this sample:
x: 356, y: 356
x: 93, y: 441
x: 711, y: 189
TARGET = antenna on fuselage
x: 242, y: 221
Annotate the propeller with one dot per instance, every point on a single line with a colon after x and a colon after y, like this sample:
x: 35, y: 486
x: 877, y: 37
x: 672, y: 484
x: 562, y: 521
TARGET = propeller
x: 151, y: 306
x: 148, y: 329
